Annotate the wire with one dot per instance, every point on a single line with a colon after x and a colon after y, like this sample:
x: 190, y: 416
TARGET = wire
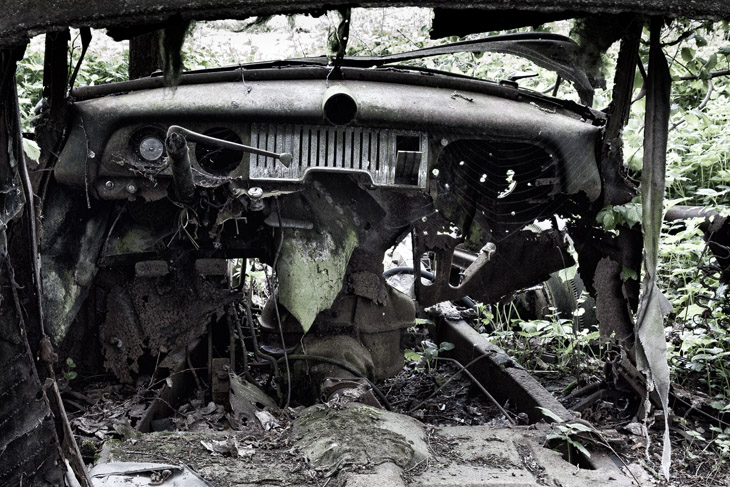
x: 257, y: 352
x: 276, y: 306
x: 244, y: 352
x: 474, y: 381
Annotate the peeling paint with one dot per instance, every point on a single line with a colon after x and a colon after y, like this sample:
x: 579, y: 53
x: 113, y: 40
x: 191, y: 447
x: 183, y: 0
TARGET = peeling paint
x: 311, y: 270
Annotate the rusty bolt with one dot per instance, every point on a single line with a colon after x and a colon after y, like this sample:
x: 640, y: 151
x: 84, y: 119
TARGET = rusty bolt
x: 255, y: 194
x: 131, y: 188
x: 109, y: 185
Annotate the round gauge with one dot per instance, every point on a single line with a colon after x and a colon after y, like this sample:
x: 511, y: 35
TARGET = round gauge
x: 151, y: 148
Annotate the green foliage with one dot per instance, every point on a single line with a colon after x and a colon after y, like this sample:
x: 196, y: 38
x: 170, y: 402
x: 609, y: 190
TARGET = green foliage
x: 69, y: 373
x: 428, y: 353
x: 627, y: 215
x: 29, y: 77
x: 697, y: 161
x: 100, y: 65
x: 550, y: 344
x: 721, y: 440
x: 566, y: 435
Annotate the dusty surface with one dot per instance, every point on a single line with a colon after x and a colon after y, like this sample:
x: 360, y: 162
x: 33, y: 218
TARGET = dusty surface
x: 358, y: 445
x: 230, y: 458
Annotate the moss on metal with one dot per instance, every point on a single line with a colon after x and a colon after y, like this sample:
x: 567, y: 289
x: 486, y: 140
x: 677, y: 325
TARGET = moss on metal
x: 311, y: 269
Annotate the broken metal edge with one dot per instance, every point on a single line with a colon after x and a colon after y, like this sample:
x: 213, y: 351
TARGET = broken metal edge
x: 25, y: 18
x: 506, y: 380
x: 130, y: 474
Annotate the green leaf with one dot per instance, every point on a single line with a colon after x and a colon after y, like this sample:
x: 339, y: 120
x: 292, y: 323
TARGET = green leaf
x: 639, y: 80
x: 690, y: 311
x: 633, y: 215
x: 719, y: 405
x: 70, y: 362
x: 579, y: 446
x: 688, y: 54
x: 606, y: 218
x: 709, y: 192
x: 446, y: 346
x: 551, y: 415
x: 692, y: 119
x: 696, y: 435
x: 412, y: 356
x: 31, y: 149
x: 580, y: 427
x: 628, y: 273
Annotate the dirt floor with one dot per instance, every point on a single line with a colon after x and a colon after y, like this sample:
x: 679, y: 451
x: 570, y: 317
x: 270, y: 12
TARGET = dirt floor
x: 225, y: 451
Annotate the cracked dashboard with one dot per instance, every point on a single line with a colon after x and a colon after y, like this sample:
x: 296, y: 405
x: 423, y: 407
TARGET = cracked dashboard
x: 510, y: 156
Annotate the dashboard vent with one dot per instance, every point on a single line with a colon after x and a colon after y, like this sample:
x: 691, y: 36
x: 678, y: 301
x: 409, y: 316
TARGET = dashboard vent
x: 340, y: 149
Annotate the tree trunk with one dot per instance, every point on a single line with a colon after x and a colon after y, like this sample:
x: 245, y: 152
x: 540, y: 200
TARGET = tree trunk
x: 145, y: 54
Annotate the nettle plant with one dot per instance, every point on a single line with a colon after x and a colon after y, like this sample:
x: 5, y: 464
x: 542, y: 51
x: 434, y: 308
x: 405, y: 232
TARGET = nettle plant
x: 428, y: 353
x: 551, y: 344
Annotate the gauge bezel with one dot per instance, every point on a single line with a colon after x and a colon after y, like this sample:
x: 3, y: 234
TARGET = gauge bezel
x: 142, y: 133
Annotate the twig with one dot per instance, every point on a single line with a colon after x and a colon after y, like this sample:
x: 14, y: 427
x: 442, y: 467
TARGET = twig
x: 558, y: 80
x: 476, y: 382
x: 276, y: 305
x: 195, y: 374
x: 605, y: 443
x: 706, y: 100
x: 151, y: 386
x: 711, y: 74
x: 244, y: 352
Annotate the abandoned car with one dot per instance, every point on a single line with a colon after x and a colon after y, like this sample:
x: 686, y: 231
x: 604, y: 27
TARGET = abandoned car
x: 120, y: 243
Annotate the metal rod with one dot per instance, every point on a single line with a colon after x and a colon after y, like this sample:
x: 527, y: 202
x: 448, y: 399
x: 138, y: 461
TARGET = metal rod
x: 284, y: 157
x: 182, y: 174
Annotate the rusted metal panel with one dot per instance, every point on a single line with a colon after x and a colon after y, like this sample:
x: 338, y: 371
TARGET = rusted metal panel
x: 158, y: 314
x: 28, y: 17
x: 29, y: 446
x: 497, y: 372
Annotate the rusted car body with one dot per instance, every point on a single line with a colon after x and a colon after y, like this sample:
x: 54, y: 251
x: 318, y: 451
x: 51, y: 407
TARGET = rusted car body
x: 316, y: 167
